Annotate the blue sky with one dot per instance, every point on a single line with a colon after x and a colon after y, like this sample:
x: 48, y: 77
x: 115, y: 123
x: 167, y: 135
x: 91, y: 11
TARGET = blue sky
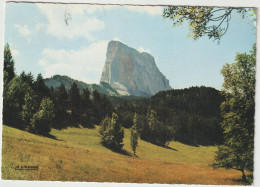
x: 41, y: 42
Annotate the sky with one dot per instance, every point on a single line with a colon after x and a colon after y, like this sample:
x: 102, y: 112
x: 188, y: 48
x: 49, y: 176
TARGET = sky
x: 41, y: 41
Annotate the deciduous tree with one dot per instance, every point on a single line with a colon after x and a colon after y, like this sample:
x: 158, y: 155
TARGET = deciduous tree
x: 112, y: 132
x: 205, y: 21
x: 238, y: 112
x: 42, y: 120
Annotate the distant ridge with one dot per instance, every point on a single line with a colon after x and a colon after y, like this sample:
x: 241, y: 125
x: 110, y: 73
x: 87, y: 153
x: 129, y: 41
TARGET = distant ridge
x: 56, y: 80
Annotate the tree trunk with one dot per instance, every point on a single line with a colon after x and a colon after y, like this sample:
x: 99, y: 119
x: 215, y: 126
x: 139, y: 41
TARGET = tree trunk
x: 243, y: 175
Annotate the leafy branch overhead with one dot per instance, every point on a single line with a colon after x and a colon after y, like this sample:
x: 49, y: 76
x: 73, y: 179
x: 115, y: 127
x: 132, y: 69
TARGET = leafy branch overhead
x: 205, y: 21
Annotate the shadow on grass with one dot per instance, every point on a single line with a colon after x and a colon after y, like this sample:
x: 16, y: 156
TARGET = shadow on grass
x: 163, y: 146
x: 51, y: 137
x: 247, y: 182
x: 167, y: 147
x: 118, y: 150
x: 62, y: 126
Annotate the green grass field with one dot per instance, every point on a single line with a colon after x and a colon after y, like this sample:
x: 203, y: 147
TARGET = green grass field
x: 77, y: 155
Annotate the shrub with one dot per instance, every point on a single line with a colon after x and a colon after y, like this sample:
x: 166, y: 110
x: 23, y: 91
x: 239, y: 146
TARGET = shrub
x: 42, y: 120
x: 112, y: 133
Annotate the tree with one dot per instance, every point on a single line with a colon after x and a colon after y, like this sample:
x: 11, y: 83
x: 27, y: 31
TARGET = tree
x: 61, y: 107
x: 29, y: 108
x: 238, y: 111
x: 74, y: 102
x: 134, y: 134
x: 102, y: 106
x: 86, y: 108
x: 112, y: 132
x: 205, y: 21
x: 13, y: 101
x: 41, y: 89
x: 153, y: 123
x: 42, y: 120
x: 28, y: 78
x: 8, y: 64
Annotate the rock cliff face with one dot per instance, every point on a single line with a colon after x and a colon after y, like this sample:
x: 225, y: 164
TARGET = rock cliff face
x: 132, y: 73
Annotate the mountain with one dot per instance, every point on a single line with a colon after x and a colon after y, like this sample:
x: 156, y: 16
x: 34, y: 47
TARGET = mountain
x: 132, y: 73
x: 57, y: 80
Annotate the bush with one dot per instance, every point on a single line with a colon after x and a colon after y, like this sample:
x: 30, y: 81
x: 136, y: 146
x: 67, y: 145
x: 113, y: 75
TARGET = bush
x: 112, y: 133
x: 42, y: 120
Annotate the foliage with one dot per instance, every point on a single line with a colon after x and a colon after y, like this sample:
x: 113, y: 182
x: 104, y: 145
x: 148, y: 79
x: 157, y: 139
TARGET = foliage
x: 204, y: 21
x: 14, y: 95
x: 158, y: 133
x: 60, y: 97
x: 190, y: 115
x: 134, y: 134
x: 112, y: 133
x: 42, y: 120
x: 86, y: 108
x: 29, y: 108
x: 238, y: 111
x: 8, y: 64
x: 74, y: 102
x: 40, y: 88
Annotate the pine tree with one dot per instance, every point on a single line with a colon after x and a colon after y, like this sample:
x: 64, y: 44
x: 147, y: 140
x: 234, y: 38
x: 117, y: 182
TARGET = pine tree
x: 41, y: 89
x: 153, y: 123
x: 61, y: 106
x: 134, y: 134
x: 86, y: 107
x: 8, y: 64
x: 27, y: 78
x: 74, y: 102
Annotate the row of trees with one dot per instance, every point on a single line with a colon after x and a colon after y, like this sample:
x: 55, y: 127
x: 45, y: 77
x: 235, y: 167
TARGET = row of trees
x: 188, y: 115
x: 30, y: 105
x: 74, y: 108
x: 26, y: 103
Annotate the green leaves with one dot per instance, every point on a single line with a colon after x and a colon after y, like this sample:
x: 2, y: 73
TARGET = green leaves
x: 134, y: 134
x: 41, y: 123
x: 238, y: 114
x: 204, y: 21
x: 112, y: 133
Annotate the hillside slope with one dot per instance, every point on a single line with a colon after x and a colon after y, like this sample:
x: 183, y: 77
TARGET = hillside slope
x: 57, y: 80
x: 75, y: 154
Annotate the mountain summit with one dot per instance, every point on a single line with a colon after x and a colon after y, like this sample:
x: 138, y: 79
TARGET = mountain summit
x: 130, y: 72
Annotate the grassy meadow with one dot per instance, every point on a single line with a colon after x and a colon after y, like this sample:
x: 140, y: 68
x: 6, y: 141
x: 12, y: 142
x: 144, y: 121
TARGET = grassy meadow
x: 75, y: 154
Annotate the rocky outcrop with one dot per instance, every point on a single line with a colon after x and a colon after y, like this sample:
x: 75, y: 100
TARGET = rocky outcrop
x: 132, y: 73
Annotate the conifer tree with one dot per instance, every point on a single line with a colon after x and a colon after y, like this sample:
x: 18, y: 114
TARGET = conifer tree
x: 86, y: 107
x: 41, y: 89
x: 134, y: 134
x: 74, y: 102
x: 8, y: 64
x: 61, y: 107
